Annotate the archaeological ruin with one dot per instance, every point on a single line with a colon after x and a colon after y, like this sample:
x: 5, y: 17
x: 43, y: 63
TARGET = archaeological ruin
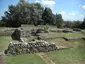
x: 21, y: 45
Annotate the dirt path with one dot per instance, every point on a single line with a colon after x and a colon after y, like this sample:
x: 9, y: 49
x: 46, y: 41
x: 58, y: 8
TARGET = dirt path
x: 1, y: 60
x: 46, y: 59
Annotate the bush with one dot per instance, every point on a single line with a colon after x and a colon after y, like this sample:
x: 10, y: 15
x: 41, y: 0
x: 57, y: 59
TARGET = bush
x: 46, y: 28
x: 2, y: 23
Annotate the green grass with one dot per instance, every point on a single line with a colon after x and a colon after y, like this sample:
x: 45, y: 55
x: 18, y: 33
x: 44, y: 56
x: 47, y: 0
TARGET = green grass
x: 19, y: 59
x: 75, y: 55
x: 78, y: 43
x: 4, y: 41
x: 68, y: 56
x: 70, y: 43
x: 63, y: 35
x: 24, y: 59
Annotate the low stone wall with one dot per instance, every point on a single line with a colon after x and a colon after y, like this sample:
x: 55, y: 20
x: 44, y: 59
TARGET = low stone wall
x: 44, y: 38
x: 9, y: 32
x: 6, y: 33
x: 72, y: 38
x: 15, y: 48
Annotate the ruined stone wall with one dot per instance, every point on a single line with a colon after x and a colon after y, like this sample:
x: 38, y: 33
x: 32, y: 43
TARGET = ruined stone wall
x: 15, y: 48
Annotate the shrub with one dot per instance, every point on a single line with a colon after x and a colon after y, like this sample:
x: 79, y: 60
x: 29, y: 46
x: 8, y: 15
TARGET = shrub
x: 46, y: 28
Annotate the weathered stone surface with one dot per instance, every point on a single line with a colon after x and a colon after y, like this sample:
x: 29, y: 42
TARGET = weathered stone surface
x: 16, y: 35
x: 41, y: 31
x: 6, y: 32
x: 76, y: 29
x: 54, y: 31
x: 67, y: 30
x: 30, y: 47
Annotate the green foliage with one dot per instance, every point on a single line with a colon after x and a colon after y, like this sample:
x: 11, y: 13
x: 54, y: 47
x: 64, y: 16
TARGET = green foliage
x: 30, y: 13
x: 36, y: 14
x: 46, y: 28
x: 23, y: 13
x: 72, y: 24
x: 47, y: 16
x: 82, y: 26
x: 1, y: 23
x: 76, y: 24
x: 59, y: 21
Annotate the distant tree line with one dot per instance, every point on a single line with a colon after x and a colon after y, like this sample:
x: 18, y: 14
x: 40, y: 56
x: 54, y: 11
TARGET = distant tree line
x: 35, y: 14
x: 75, y: 24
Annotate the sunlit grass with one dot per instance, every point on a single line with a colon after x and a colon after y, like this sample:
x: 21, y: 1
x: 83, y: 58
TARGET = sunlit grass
x: 68, y: 56
x: 24, y: 59
x: 4, y: 41
x: 74, y: 55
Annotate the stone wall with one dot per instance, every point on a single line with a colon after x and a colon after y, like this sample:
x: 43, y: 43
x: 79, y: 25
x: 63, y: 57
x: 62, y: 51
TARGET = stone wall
x: 15, y: 48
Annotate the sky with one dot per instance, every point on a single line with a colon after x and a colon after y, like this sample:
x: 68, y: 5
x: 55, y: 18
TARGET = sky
x: 69, y: 9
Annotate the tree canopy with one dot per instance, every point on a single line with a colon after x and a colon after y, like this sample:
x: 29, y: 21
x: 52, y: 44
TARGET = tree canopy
x: 30, y: 13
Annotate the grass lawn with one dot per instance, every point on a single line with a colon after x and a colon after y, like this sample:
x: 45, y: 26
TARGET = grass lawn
x: 24, y: 59
x: 68, y: 56
x: 70, y: 43
x: 4, y: 40
x: 63, y: 35
x: 75, y: 55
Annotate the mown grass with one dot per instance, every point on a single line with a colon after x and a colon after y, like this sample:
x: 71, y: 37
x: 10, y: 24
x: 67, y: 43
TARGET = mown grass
x: 63, y: 35
x: 75, y: 55
x: 70, y: 43
x: 4, y: 41
x: 68, y: 56
x: 24, y: 59
x: 18, y: 59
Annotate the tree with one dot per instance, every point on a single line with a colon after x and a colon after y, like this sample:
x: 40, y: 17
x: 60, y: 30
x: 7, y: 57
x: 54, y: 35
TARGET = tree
x: 36, y: 14
x: 59, y: 20
x: 1, y: 23
x: 68, y: 24
x: 53, y: 19
x: 47, y: 16
x: 23, y: 13
x: 76, y: 24
x: 82, y: 26
x: 30, y: 13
